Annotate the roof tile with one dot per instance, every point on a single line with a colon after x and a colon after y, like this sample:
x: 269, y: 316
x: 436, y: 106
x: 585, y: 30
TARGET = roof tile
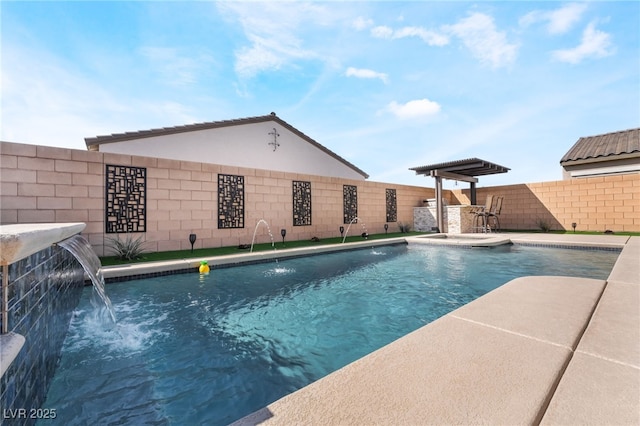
x: 605, y: 145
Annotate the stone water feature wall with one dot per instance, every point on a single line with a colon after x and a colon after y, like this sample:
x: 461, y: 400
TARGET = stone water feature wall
x: 43, y: 290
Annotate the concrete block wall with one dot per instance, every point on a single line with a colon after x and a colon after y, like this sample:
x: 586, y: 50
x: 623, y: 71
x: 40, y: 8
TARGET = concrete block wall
x: 45, y: 184
x: 594, y: 204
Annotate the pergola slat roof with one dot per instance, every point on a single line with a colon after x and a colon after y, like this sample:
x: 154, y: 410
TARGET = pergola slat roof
x: 469, y: 167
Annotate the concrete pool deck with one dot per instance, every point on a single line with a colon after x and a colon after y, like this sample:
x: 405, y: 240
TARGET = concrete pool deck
x: 550, y: 350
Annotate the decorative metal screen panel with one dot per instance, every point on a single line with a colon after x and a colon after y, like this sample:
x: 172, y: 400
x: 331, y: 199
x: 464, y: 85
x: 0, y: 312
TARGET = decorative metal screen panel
x: 392, y: 206
x: 301, y: 203
x: 125, y: 199
x: 350, y: 202
x: 230, y: 201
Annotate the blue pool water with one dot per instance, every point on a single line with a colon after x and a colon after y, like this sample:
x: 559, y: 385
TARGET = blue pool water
x: 210, y: 350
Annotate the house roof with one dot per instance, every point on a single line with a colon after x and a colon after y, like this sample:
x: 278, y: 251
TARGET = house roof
x: 121, y: 137
x: 606, y: 145
x: 469, y: 167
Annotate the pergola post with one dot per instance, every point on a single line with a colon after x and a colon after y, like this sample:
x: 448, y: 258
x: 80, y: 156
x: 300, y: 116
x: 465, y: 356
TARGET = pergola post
x: 472, y: 188
x: 439, y: 206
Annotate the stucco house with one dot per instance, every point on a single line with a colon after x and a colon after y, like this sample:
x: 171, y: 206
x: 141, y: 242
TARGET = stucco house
x: 262, y: 142
x: 601, y: 155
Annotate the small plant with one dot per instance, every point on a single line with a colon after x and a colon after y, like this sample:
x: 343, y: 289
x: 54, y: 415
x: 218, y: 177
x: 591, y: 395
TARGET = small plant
x: 543, y: 225
x: 404, y: 227
x: 129, y: 249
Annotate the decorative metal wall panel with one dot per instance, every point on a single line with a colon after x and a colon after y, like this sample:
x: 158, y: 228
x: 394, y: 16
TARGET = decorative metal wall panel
x: 392, y: 206
x: 230, y: 201
x: 350, y: 202
x: 301, y: 203
x: 125, y: 199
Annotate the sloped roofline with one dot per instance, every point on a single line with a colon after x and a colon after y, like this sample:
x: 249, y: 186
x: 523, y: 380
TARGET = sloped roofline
x: 620, y: 144
x: 94, y: 142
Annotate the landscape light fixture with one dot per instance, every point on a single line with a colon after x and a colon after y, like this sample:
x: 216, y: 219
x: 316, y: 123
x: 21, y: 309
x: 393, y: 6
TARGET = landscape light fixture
x: 192, y: 240
x: 386, y: 227
x: 573, y: 225
x: 341, y: 231
x: 283, y: 232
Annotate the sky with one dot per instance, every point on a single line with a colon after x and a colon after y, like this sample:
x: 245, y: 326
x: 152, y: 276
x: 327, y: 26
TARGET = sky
x: 386, y: 85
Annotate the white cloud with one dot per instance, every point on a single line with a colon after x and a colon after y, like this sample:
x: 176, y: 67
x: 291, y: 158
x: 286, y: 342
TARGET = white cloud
x: 272, y: 29
x: 174, y: 67
x: 382, y: 31
x: 49, y: 101
x: 365, y: 73
x: 361, y: 23
x: 594, y: 44
x: 432, y: 38
x: 559, y: 21
x: 414, y: 109
x: 479, y: 34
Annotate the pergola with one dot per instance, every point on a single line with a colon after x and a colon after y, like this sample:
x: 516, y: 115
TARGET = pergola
x: 460, y: 170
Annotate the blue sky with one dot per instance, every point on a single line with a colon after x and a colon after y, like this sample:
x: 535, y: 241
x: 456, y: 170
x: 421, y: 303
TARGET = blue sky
x: 386, y: 85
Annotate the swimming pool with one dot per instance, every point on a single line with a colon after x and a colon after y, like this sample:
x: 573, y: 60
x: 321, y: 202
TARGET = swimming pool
x: 211, y: 350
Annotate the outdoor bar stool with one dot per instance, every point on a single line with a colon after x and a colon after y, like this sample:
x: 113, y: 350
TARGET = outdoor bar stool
x: 494, y: 214
x: 481, y: 215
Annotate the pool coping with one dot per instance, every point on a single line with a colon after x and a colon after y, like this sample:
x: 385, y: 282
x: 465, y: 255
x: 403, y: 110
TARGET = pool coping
x: 150, y: 269
x: 568, y: 354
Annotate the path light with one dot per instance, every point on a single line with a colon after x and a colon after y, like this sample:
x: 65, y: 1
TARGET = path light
x: 192, y: 240
x: 573, y: 225
x: 341, y: 231
x: 386, y: 227
x: 283, y: 232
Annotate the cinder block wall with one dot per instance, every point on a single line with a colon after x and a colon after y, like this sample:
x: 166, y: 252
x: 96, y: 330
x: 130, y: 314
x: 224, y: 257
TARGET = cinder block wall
x: 594, y: 204
x: 45, y: 184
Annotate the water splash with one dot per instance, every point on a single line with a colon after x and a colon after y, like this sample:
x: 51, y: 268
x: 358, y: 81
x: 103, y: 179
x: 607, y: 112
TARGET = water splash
x: 80, y: 248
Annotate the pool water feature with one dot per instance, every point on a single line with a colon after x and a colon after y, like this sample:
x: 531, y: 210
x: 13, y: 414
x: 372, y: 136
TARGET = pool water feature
x: 80, y: 248
x: 213, y: 351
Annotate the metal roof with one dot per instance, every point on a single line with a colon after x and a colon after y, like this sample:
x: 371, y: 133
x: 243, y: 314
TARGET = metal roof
x: 468, y: 167
x: 605, y: 145
x: 121, y: 137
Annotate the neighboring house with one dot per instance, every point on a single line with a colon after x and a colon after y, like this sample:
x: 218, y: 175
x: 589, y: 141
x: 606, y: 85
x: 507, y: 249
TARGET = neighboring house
x: 608, y: 154
x: 263, y: 142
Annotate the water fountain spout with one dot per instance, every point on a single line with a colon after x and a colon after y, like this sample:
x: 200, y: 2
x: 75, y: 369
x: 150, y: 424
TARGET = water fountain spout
x: 256, y: 230
x: 80, y: 248
x: 364, y: 234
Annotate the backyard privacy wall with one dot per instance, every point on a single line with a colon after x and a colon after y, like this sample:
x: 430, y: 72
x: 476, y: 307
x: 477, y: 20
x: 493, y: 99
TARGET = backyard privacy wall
x: 593, y: 204
x: 166, y: 200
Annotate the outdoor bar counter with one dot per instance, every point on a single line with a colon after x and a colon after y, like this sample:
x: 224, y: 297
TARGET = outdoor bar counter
x: 458, y: 219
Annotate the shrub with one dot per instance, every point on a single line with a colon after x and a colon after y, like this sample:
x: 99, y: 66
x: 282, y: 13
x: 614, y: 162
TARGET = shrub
x: 404, y: 227
x: 543, y: 225
x: 129, y: 249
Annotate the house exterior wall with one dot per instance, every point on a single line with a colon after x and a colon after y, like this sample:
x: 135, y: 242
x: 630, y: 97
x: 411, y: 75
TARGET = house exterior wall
x: 45, y: 184
x: 244, y: 145
x: 594, y: 204
x: 573, y: 170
